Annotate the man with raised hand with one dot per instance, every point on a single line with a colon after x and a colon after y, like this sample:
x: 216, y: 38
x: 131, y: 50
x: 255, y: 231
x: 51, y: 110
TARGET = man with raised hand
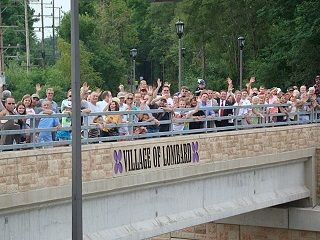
x: 49, y: 97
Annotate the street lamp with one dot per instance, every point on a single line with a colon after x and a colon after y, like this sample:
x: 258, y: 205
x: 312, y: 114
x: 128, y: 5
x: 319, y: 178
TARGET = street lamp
x: 180, y: 29
x: 241, y: 46
x: 183, y: 53
x: 133, y: 55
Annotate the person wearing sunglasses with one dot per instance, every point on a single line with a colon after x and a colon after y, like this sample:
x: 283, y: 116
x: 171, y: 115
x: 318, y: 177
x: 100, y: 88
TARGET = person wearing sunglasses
x: 9, y: 106
x: 66, y: 102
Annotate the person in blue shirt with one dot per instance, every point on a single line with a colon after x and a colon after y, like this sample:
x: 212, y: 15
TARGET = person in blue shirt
x: 47, y: 122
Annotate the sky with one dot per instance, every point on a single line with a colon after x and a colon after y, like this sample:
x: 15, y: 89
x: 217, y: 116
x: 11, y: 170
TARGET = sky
x: 47, y: 10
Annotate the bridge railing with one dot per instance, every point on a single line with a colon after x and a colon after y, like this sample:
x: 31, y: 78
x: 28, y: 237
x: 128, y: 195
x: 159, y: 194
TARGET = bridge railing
x: 209, y: 123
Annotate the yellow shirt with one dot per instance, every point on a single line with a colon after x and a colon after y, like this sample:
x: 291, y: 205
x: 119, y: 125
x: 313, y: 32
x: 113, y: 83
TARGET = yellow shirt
x: 111, y: 119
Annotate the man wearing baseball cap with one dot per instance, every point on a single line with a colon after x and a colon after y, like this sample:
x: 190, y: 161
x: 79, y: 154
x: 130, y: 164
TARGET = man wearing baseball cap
x: 201, y: 86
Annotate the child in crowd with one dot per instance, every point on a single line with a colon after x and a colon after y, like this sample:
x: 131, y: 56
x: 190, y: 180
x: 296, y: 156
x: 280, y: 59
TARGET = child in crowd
x: 273, y: 99
x: 255, y: 115
x: 145, y: 117
x: 21, y: 110
x: 65, y: 122
x: 181, y: 113
x: 140, y: 130
x: 99, y: 123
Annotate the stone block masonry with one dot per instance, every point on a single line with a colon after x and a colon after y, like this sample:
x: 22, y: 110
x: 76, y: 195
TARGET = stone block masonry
x: 318, y: 173
x: 31, y: 170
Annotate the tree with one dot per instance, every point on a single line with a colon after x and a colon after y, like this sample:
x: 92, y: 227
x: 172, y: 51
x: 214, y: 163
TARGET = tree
x: 281, y: 46
x: 87, y: 72
x: 106, y: 32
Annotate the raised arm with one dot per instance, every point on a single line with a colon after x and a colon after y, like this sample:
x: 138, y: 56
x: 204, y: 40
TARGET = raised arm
x: 155, y: 92
x: 38, y: 88
x: 249, y: 85
x: 84, y: 90
x: 230, y: 87
x: 156, y: 99
x: 150, y: 94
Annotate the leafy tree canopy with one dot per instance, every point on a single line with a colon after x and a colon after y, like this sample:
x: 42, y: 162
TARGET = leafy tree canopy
x: 281, y: 48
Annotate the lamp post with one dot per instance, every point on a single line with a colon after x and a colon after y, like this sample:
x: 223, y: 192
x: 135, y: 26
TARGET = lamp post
x: 133, y: 55
x: 179, y: 29
x: 183, y: 53
x: 241, y: 46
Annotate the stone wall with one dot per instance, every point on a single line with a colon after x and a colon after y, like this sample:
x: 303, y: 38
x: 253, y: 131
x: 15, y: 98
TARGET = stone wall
x: 318, y: 173
x: 213, y: 231
x: 22, y: 171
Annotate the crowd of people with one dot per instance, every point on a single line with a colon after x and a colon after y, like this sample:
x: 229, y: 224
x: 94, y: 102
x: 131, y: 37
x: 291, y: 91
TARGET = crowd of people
x: 186, y: 109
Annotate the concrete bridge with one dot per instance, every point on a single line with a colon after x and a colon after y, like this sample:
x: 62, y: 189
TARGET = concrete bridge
x: 144, y: 188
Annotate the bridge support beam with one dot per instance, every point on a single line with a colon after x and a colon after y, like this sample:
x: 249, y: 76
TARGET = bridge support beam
x: 306, y: 219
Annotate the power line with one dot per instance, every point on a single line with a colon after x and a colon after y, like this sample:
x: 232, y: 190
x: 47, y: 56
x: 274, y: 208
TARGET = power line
x: 3, y: 49
x: 41, y: 15
x: 1, y: 46
x: 26, y: 31
x: 26, y: 23
x: 4, y: 28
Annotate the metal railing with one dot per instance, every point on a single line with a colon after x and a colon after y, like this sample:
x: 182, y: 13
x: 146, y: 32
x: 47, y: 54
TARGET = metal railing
x: 208, y: 122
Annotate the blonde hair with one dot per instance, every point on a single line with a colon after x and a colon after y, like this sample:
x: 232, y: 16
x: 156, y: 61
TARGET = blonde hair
x: 25, y: 97
x: 311, y: 89
x: 255, y: 99
x: 49, y: 89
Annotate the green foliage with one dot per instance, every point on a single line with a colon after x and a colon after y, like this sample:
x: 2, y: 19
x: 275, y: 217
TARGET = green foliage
x: 57, y: 76
x: 281, y: 49
x: 87, y: 73
x: 20, y: 82
x: 107, y: 33
x: 281, y: 46
x: 305, y: 58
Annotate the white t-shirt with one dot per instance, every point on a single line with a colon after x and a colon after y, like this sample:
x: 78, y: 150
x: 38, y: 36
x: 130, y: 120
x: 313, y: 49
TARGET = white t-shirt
x: 124, y: 130
x: 93, y: 109
x: 102, y: 105
x: 29, y: 111
x: 243, y: 111
x: 179, y: 126
x: 170, y: 101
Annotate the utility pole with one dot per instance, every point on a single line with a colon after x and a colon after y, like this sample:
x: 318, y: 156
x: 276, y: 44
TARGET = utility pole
x: 53, y: 15
x: 3, y: 48
x: 41, y: 16
x: 1, y: 45
x: 26, y: 2
x: 53, y: 33
x: 42, y: 35
x: 60, y: 9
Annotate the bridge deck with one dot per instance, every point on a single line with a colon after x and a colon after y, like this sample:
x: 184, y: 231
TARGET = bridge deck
x: 148, y: 187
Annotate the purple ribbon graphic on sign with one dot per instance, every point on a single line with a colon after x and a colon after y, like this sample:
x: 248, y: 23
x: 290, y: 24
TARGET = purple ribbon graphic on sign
x: 195, y: 149
x: 117, y: 158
